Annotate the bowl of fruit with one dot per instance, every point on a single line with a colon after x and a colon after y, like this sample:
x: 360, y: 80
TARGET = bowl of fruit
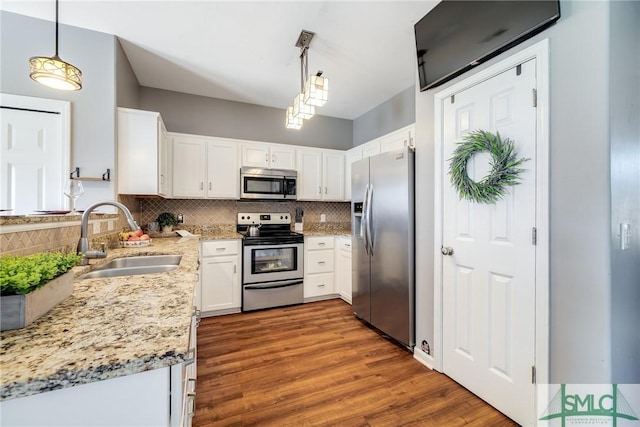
x: 134, y: 238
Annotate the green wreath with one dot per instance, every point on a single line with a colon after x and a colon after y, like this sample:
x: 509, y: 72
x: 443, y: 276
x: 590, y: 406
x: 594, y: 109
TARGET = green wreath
x: 504, y: 164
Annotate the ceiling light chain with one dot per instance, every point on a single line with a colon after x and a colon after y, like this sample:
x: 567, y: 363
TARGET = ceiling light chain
x: 313, y: 90
x: 53, y: 71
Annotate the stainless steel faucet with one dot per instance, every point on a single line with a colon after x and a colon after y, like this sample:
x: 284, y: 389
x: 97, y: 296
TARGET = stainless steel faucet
x: 83, y: 243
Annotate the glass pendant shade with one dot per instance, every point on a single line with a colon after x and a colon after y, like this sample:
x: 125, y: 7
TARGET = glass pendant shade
x: 302, y: 110
x: 291, y: 121
x: 316, y: 91
x: 55, y: 73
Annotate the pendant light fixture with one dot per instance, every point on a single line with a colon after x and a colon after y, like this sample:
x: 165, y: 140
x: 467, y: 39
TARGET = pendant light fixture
x: 53, y: 71
x: 313, y: 91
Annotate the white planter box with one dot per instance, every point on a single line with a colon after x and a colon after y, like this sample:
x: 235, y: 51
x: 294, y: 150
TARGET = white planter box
x: 18, y: 311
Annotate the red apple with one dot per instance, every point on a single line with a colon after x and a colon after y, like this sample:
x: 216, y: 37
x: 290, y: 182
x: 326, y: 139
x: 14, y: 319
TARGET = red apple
x: 139, y: 232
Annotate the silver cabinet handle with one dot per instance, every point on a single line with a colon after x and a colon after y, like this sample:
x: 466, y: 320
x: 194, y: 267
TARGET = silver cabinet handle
x: 321, y: 243
x: 221, y: 249
x: 319, y: 190
x: 446, y: 250
x: 234, y: 269
x: 348, y: 245
x: 201, y: 185
x: 273, y: 158
x: 210, y: 186
x: 325, y: 190
x: 322, y: 285
x: 266, y: 158
x: 320, y: 262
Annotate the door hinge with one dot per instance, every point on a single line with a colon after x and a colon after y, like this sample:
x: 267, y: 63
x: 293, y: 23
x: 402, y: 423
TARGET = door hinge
x: 533, y: 375
x: 535, y: 97
x: 534, y: 236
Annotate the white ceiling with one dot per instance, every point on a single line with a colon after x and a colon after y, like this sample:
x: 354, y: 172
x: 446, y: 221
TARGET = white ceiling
x: 245, y: 51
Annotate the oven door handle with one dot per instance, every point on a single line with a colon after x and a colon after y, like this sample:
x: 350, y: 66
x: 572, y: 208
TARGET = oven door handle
x: 261, y: 286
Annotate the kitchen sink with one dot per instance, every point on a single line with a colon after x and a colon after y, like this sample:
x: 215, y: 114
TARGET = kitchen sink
x: 135, y: 265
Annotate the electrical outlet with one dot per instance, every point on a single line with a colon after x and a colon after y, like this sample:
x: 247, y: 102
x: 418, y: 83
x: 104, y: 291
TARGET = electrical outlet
x: 323, y: 218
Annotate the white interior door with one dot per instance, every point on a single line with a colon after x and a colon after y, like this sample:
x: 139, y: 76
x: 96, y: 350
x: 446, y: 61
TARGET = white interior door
x: 488, y: 283
x: 32, y: 166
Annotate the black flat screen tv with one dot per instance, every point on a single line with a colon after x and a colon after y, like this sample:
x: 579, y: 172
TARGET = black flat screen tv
x: 457, y: 35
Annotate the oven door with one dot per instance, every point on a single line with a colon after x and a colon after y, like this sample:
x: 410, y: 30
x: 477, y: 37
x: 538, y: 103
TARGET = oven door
x: 272, y: 263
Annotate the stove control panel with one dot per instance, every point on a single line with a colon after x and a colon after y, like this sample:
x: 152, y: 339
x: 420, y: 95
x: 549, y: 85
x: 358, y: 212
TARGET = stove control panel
x: 264, y: 218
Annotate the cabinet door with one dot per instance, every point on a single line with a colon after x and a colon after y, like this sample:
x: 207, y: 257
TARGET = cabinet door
x: 370, y: 149
x: 164, y: 162
x: 188, y: 167
x: 343, y: 274
x: 220, y: 283
x: 223, y: 174
x: 333, y: 175
x: 138, y: 151
x: 395, y: 141
x: 351, y: 156
x: 256, y: 155
x: 309, y: 175
x: 282, y: 157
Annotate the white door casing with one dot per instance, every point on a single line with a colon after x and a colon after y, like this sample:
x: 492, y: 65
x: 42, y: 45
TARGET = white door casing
x: 491, y: 296
x: 34, y: 153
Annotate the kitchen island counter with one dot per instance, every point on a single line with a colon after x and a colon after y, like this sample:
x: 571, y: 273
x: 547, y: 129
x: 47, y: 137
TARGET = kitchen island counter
x: 108, y: 327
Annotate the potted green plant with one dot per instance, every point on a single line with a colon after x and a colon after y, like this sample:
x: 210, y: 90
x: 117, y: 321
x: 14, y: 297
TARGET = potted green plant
x: 32, y: 285
x: 167, y: 220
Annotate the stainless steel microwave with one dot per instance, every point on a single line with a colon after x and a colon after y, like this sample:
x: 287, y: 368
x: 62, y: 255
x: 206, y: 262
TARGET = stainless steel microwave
x: 271, y: 184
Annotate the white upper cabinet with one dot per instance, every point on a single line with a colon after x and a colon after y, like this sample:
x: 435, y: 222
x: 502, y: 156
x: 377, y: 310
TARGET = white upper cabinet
x: 272, y: 156
x: 350, y: 157
x: 398, y: 139
x: 205, y: 167
x: 371, y: 148
x: 140, y: 135
x: 320, y: 174
x: 223, y: 173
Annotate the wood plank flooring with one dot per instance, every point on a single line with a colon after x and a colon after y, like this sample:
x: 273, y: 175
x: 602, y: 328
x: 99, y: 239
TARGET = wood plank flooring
x: 317, y: 365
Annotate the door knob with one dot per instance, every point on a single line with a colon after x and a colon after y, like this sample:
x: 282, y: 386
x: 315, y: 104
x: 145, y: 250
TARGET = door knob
x: 446, y: 250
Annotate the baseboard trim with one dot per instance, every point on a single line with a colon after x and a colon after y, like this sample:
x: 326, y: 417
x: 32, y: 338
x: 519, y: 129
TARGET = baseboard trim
x: 424, y: 358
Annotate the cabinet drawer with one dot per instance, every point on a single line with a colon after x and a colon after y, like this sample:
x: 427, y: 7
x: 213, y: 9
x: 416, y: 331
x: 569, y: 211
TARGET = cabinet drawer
x: 320, y: 262
x: 314, y: 243
x: 219, y: 247
x: 344, y: 244
x: 318, y: 284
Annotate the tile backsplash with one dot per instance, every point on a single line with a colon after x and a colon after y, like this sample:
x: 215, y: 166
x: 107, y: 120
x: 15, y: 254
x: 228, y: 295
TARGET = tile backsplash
x: 221, y: 212
x: 26, y: 239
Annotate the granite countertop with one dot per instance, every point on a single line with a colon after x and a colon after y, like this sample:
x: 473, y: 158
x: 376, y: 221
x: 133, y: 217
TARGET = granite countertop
x: 327, y: 233
x: 107, y: 328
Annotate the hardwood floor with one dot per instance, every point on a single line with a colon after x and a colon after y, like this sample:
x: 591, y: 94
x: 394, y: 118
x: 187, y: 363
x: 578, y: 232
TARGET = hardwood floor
x: 317, y: 365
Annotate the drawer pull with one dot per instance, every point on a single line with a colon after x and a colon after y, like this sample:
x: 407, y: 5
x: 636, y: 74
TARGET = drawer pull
x: 321, y: 285
x: 320, y: 262
x: 221, y: 249
x: 321, y: 243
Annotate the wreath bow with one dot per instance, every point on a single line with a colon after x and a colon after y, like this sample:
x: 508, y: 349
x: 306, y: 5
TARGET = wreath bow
x: 505, y: 167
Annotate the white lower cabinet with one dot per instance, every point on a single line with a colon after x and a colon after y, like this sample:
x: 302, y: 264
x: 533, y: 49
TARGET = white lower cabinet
x: 220, y: 288
x: 319, y: 281
x: 343, y: 267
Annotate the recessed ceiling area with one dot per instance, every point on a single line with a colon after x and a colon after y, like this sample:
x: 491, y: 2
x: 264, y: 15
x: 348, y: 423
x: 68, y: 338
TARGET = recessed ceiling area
x: 245, y: 51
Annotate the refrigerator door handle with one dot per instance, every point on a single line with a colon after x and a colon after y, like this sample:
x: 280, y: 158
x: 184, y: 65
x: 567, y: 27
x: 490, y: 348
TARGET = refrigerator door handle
x: 363, y: 223
x: 369, y: 231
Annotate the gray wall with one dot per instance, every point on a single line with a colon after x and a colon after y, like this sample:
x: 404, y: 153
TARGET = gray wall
x: 92, y: 108
x: 580, y: 288
x: 397, y: 112
x: 127, y: 86
x: 201, y: 115
x: 625, y: 189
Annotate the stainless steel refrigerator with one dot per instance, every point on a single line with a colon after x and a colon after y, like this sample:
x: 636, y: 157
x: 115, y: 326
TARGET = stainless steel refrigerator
x: 382, y: 224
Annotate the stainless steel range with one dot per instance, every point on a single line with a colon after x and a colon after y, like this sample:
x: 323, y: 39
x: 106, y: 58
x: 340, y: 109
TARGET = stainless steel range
x: 272, y: 261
